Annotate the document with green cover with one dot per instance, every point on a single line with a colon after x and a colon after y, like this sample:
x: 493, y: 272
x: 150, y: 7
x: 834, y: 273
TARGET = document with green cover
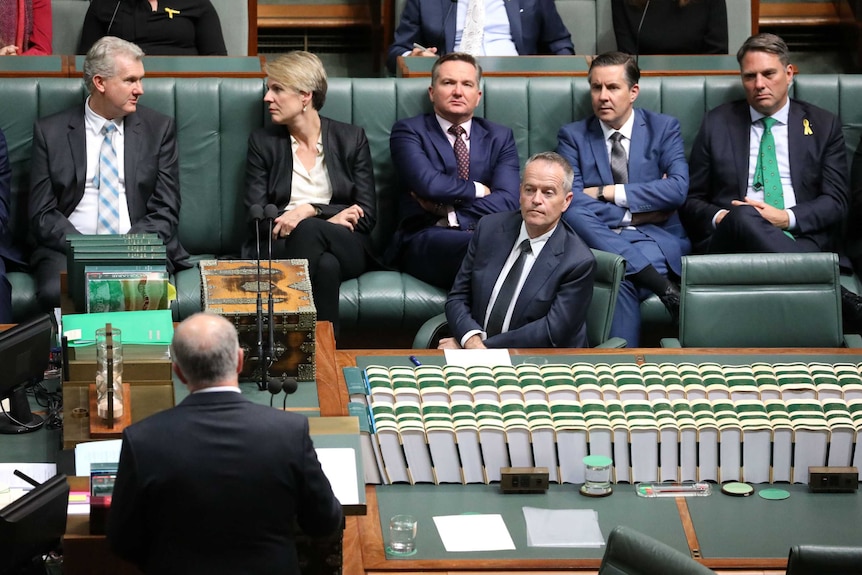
x: 154, y: 327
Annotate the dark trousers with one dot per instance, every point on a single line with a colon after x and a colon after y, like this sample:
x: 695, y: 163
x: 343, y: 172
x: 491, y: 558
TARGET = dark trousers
x: 46, y: 265
x: 334, y: 254
x: 744, y: 230
x: 434, y: 255
x: 5, y: 295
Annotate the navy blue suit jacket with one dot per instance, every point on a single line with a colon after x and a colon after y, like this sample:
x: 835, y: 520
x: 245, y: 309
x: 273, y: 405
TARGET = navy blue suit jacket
x: 7, y: 250
x: 551, y: 308
x: 535, y: 25
x: 426, y: 165
x: 818, y: 169
x: 658, y: 176
x: 214, y: 485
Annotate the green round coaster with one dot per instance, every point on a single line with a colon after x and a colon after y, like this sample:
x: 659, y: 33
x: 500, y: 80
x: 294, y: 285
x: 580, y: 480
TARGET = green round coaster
x: 774, y: 494
x: 737, y: 489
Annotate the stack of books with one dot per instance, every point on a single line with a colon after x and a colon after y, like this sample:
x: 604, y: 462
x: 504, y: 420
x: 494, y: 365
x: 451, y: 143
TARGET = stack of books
x: 117, y: 272
x: 759, y: 423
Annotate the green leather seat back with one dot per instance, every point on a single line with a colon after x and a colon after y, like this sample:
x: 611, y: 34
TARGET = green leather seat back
x: 760, y: 300
x: 824, y: 560
x: 610, y: 269
x: 629, y: 552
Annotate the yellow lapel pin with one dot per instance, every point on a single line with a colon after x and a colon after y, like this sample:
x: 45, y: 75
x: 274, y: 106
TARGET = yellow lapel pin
x: 806, y: 127
x: 171, y: 13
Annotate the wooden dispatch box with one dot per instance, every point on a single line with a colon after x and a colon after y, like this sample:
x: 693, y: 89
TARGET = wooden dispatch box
x: 230, y: 289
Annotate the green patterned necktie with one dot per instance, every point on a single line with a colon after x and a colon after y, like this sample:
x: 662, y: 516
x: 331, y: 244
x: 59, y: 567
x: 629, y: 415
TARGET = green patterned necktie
x: 766, y: 176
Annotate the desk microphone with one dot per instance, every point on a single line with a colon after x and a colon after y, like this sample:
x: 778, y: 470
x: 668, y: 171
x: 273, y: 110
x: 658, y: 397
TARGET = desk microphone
x: 270, y: 212
x: 638, y: 35
x: 114, y: 15
x: 256, y: 214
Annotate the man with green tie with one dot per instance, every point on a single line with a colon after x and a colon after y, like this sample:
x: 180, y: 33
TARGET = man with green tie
x: 768, y: 174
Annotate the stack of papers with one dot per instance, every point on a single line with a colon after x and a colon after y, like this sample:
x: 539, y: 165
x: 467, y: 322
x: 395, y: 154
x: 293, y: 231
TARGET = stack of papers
x: 563, y: 527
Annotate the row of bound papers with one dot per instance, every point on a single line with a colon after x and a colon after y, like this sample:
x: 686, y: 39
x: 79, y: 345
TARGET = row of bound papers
x: 461, y: 425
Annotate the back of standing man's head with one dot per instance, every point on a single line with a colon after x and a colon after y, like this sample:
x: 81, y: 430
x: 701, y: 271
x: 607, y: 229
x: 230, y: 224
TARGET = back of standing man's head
x: 205, y: 349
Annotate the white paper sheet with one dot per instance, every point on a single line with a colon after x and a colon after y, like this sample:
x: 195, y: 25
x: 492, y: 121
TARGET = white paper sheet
x: 41, y: 472
x: 107, y: 451
x: 473, y: 532
x: 472, y: 357
x: 339, y: 466
x: 562, y: 527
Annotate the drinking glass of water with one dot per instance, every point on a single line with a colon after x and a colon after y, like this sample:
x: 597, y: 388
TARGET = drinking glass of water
x: 402, y: 535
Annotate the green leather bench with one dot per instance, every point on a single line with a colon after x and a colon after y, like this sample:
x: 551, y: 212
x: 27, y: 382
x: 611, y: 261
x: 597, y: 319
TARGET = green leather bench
x: 215, y: 116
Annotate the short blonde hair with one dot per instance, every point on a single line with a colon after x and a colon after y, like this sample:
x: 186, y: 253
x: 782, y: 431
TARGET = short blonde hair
x: 301, y: 71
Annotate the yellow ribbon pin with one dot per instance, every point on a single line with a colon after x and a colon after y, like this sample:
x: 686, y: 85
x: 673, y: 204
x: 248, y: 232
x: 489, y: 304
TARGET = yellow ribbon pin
x: 171, y: 13
x: 806, y: 127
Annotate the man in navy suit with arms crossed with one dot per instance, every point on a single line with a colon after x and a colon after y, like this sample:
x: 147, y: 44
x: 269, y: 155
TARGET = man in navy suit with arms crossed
x: 453, y: 169
x: 527, y: 279
x: 630, y: 178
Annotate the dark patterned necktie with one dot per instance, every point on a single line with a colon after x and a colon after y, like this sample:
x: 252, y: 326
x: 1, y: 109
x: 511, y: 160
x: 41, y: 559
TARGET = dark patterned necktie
x: 507, y: 291
x: 619, y: 161
x: 462, y: 156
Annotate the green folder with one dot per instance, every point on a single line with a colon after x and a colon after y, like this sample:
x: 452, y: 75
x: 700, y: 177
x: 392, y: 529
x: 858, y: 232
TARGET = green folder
x: 154, y: 327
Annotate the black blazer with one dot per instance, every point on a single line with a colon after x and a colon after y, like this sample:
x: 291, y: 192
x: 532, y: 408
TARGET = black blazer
x: 269, y: 174
x: 214, y: 485
x: 59, y: 169
x: 718, y: 171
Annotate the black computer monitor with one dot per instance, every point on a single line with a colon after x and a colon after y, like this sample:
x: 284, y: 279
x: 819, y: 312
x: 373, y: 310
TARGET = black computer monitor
x: 32, y: 525
x: 24, y: 353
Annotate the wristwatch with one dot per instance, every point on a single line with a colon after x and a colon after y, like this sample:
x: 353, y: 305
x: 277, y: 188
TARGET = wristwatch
x: 601, y: 195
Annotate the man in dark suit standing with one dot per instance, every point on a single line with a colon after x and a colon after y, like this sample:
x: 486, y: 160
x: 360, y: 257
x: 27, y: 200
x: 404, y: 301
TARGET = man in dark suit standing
x: 536, y: 293
x: 510, y: 28
x: 108, y: 166
x: 215, y: 484
x: 630, y: 178
x: 768, y: 174
x: 454, y: 169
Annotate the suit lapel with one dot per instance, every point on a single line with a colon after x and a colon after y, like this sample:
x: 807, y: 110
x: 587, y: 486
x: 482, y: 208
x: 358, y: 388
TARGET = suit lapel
x: 502, y: 242
x: 132, y: 146
x: 449, y: 10
x: 599, y: 149
x: 637, y: 147
x: 441, y: 144
x: 77, y: 137
x: 478, y: 150
x: 797, y: 144
x: 513, y: 11
x: 740, y: 131
x: 539, y: 274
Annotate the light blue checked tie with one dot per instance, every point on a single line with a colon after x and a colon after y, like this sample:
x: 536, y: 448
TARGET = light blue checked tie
x: 109, y: 185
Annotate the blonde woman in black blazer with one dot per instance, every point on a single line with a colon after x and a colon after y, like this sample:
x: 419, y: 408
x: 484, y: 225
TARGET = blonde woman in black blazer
x: 318, y: 173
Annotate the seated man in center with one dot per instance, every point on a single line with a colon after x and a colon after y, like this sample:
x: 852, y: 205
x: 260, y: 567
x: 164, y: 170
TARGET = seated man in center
x: 453, y: 169
x: 630, y: 178
x: 527, y: 279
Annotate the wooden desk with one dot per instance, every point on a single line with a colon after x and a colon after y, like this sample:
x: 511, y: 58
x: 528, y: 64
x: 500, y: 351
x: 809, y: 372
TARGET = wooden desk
x: 530, y: 66
x: 364, y: 547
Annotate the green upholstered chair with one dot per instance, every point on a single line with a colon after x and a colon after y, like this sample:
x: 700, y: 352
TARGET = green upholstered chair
x: 761, y: 300
x: 234, y: 16
x: 67, y: 18
x: 629, y: 552
x: 824, y: 560
x: 610, y: 269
